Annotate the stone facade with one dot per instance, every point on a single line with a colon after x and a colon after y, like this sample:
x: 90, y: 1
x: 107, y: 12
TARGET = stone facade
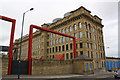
x: 4, y: 65
x: 87, y: 29
x: 41, y: 67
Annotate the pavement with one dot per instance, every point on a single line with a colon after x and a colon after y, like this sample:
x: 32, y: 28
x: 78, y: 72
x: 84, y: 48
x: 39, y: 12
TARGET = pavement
x: 95, y: 76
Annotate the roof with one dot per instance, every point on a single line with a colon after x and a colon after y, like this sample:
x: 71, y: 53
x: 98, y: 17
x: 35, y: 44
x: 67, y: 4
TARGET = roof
x: 80, y: 8
x: 83, y: 57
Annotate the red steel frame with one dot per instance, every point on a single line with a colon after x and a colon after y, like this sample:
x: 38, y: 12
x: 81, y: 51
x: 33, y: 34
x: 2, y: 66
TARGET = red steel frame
x: 11, y: 41
x: 30, y: 44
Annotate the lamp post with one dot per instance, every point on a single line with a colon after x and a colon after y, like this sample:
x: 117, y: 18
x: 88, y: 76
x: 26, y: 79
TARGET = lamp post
x: 21, y: 42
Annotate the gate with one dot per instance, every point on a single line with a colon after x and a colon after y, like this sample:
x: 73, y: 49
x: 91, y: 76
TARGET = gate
x: 23, y: 67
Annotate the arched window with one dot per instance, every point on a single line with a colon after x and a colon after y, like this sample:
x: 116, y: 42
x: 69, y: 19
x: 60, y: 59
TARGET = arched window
x: 86, y: 25
x: 80, y: 25
x: 66, y: 46
x: 75, y: 27
x: 70, y: 28
x: 71, y: 46
x: 67, y: 30
x: 67, y: 56
x: 71, y: 55
x: 80, y: 34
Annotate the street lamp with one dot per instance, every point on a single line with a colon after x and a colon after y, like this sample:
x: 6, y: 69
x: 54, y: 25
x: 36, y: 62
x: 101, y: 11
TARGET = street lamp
x: 21, y: 42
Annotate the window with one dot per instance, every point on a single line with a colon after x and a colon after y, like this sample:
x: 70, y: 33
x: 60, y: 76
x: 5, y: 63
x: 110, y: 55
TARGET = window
x: 76, y: 46
x: 50, y: 35
x: 57, y: 41
x: 75, y: 28
x: 101, y: 55
x: 53, y: 56
x: 67, y: 30
x: 95, y: 46
x: 50, y: 50
x: 71, y: 38
x: 70, y: 28
x: 87, y: 67
x: 75, y: 35
x: 62, y: 39
x: 86, y: 34
x: 59, y: 48
x: 102, y: 63
x: 91, y: 45
x: 62, y: 31
x: 47, y: 50
x: 80, y: 34
x: 67, y: 39
x: 71, y: 46
x: 56, y: 48
x: 53, y: 35
x: 90, y: 36
x: 96, y: 55
x: 63, y: 48
x: 91, y: 54
x: 53, y: 49
x: 51, y: 43
x: 94, y: 37
x: 81, y: 52
x: 80, y: 25
x: 71, y: 55
x: 81, y: 45
x: 88, y: 54
x: 88, y: 45
x: 67, y: 56
x: 76, y: 54
x: 86, y: 25
x: 66, y: 46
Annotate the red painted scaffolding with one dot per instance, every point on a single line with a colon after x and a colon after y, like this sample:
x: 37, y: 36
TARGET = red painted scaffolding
x: 11, y: 41
x: 30, y: 44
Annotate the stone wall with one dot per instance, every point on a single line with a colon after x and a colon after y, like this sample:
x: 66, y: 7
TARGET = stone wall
x: 40, y: 67
x: 51, y: 67
x: 4, y: 65
x: 0, y: 67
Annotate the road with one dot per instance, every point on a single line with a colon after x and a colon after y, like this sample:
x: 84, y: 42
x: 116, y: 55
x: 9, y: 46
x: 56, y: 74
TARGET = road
x: 96, y: 76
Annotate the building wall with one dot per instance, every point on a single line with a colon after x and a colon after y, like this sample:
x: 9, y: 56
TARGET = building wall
x: 87, y: 29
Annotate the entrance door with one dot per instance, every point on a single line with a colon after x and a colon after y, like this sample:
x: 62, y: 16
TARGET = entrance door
x: 23, y: 67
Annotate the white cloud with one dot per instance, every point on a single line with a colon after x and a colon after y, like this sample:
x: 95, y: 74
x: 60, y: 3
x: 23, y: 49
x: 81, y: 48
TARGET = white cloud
x: 46, y: 10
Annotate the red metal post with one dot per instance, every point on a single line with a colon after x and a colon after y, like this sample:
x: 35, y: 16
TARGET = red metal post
x: 11, y: 41
x: 11, y: 47
x: 74, y: 48
x: 30, y: 51
x: 30, y: 44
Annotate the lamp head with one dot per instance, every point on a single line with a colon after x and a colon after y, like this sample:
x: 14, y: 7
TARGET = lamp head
x: 31, y: 9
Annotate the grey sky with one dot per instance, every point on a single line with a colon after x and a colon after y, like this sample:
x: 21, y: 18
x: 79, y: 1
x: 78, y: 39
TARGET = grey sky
x: 47, y: 10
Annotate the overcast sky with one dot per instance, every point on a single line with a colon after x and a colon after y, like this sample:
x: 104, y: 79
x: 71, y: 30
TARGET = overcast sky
x: 47, y: 10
